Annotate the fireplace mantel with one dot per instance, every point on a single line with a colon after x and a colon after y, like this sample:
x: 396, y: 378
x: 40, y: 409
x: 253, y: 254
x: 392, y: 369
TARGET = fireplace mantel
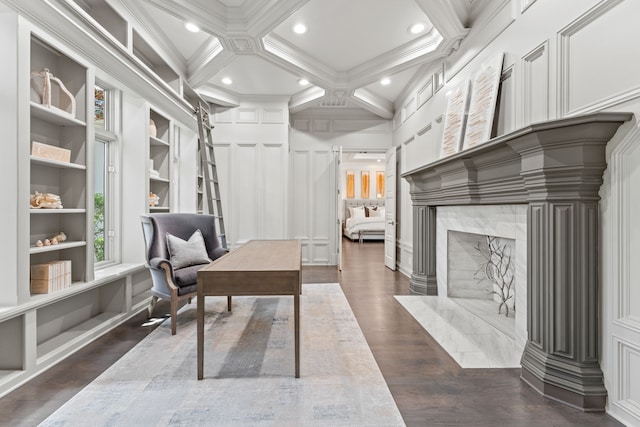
x: 555, y: 168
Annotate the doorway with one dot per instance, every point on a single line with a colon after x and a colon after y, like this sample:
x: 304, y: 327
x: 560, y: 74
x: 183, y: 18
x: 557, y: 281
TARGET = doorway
x: 361, y: 204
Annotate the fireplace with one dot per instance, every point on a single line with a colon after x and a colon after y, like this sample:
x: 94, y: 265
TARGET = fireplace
x: 550, y: 174
x: 461, y: 238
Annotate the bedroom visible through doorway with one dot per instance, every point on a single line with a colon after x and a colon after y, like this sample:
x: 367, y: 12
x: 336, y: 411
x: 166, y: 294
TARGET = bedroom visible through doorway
x: 362, y: 207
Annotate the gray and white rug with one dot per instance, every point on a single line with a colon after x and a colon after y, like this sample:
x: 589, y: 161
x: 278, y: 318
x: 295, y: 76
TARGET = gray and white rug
x: 249, y: 371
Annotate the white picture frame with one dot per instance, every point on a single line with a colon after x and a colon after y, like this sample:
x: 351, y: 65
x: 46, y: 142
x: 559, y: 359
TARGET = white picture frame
x: 482, y: 105
x: 455, y: 120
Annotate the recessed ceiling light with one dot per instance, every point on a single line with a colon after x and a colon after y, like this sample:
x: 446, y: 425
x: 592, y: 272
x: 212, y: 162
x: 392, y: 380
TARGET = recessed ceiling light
x: 417, y: 28
x: 303, y: 82
x: 385, y: 81
x: 192, y: 27
x: 299, y: 28
x: 227, y: 80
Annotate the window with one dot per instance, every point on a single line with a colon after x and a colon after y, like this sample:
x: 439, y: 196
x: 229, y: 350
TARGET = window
x: 104, y: 183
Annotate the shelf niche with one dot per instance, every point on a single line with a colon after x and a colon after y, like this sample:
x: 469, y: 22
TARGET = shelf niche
x: 58, y: 128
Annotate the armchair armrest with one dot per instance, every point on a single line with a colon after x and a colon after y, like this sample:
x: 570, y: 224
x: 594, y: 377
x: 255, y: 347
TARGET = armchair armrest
x: 164, y: 264
x: 157, y: 262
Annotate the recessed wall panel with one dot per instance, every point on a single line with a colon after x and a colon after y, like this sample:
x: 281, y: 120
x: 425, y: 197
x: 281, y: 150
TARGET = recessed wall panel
x: 246, y: 193
x: 322, y: 194
x: 592, y: 63
x: 274, y: 200
x: 301, y: 193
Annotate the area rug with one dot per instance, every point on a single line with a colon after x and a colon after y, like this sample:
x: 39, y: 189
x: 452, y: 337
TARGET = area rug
x: 249, y: 371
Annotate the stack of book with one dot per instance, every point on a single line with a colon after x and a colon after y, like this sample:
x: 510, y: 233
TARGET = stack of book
x: 51, y: 276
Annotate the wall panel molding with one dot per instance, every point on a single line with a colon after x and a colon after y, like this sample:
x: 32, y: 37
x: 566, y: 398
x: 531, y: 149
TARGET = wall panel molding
x: 425, y: 93
x: 566, y: 51
x: 273, y: 115
x: 247, y: 115
x: 535, y: 80
x: 507, y: 105
x: 624, y: 327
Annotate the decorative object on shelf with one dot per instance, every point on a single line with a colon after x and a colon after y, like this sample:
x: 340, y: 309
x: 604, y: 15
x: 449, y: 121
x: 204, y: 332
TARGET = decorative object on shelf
x: 351, y: 184
x: 380, y: 184
x: 500, y: 271
x: 58, y: 238
x: 482, y: 106
x: 50, y: 152
x: 45, y: 201
x: 455, y: 120
x: 364, y: 184
x: 51, y: 276
x: 153, y: 131
x: 154, y: 200
x: 52, y: 92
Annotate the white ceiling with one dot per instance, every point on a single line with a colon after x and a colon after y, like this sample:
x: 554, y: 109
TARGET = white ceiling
x: 349, y: 46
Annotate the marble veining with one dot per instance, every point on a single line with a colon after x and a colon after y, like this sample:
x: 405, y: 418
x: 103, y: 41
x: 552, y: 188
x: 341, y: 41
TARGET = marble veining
x: 470, y: 342
x: 506, y: 221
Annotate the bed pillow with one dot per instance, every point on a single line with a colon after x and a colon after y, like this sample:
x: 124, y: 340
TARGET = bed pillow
x: 377, y: 213
x: 186, y: 253
x: 368, y: 209
x: 357, y: 212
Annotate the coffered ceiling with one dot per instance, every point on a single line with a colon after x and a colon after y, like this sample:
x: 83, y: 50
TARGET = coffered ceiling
x: 349, y: 46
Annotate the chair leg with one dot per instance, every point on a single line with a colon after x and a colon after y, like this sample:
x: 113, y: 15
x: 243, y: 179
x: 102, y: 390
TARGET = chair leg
x: 174, y: 314
x: 152, y: 305
x: 229, y: 303
x: 189, y: 300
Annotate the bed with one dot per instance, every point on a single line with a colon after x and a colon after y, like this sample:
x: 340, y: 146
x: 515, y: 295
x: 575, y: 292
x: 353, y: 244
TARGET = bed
x: 364, y: 219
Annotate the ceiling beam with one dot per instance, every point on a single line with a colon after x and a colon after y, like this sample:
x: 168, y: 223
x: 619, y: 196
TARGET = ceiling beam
x: 372, y: 102
x: 306, y: 98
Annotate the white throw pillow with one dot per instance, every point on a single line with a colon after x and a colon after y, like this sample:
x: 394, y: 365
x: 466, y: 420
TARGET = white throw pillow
x: 357, y: 212
x: 377, y: 213
x: 185, y: 253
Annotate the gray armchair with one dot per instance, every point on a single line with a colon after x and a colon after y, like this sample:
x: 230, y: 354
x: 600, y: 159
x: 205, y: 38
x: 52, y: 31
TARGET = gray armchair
x: 176, y: 284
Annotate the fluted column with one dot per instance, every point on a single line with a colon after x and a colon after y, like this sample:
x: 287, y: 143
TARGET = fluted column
x: 423, y: 278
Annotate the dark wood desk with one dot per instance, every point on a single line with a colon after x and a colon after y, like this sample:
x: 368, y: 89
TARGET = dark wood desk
x: 260, y: 267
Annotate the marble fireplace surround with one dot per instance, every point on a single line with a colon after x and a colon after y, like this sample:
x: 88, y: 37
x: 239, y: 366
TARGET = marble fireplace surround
x: 555, y: 169
x: 504, y: 221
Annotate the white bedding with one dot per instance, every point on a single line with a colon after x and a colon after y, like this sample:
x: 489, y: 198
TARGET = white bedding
x: 354, y: 225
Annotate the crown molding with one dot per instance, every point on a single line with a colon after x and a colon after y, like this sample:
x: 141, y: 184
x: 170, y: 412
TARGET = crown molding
x: 443, y: 16
x: 396, y: 60
x: 209, y: 61
x: 210, y: 16
x: 155, y: 36
x: 371, y: 102
x: 219, y: 97
x: 282, y: 54
x: 262, y: 19
x: 306, y: 98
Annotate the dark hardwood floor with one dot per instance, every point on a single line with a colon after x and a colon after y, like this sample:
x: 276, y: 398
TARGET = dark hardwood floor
x: 428, y: 386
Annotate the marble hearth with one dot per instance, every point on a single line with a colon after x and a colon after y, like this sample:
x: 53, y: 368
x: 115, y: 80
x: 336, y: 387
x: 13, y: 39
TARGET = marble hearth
x: 553, y: 172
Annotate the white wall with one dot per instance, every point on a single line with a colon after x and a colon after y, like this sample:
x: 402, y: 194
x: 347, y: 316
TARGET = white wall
x: 316, y: 136
x: 561, y: 59
x: 251, y: 148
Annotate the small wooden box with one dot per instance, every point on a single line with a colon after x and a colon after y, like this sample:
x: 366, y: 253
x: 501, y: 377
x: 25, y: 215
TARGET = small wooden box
x: 51, y: 152
x: 49, y: 277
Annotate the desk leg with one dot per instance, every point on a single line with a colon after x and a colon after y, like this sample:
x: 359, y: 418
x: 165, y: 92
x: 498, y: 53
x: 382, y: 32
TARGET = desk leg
x: 200, y: 337
x: 296, y: 327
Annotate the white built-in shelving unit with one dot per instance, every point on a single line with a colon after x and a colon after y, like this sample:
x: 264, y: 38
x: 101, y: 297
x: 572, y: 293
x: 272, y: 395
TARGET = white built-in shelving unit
x: 42, y: 329
x: 160, y: 161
